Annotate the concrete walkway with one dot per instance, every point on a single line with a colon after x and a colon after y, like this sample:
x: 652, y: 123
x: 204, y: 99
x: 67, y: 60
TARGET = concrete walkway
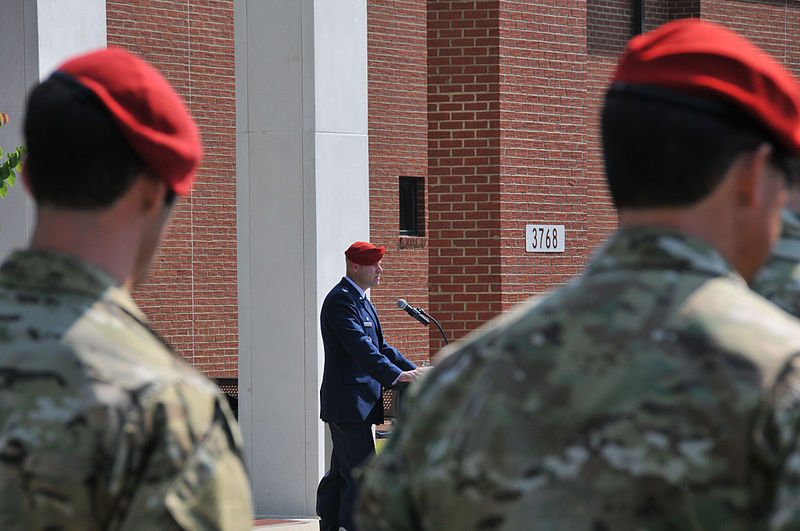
x: 294, y: 524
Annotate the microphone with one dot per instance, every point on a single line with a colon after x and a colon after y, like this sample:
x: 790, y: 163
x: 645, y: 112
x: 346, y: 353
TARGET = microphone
x: 403, y: 305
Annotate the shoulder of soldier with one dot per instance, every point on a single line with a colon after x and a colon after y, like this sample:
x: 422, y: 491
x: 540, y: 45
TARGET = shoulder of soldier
x: 132, y: 355
x: 99, y: 340
x: 458, y: 365
x: 741, y: 321
x: 497, y: 326
x: 340, y: 294
x: 113, y: 362
x: 722, y: 310
x: 776, y: 268
x: 779, y: 281
x: 342, y: 289
x: 139, y: 379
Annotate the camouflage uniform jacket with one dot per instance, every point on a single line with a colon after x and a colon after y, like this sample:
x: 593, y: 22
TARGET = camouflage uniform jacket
x: 655, y: 392
x: 102, y: 426
x: 779, y: 279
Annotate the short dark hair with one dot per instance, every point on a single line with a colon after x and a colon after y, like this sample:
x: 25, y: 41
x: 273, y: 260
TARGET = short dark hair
x: 662, y: 151
x: 76, y: 155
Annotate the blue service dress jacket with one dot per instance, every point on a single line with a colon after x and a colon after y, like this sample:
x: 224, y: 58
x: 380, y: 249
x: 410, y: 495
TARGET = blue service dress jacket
x: 358, y: 361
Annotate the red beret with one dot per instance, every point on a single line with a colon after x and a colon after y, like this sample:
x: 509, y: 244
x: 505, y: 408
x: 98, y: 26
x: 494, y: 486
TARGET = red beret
x: 704, y: 59
x: 150, y: 114
x: 364, y: 253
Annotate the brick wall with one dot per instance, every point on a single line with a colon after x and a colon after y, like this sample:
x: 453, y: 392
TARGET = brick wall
x: 543, y: 116
x: 494, y: 104
x: 772, y: 25
x: 609, y: 25
x: 190, y: 294
x: 464, y: 163
x: 515, y: 89
x: 522, y: 147
x: 397, y: 56
x: 683, y: 9
x: 662, y: 11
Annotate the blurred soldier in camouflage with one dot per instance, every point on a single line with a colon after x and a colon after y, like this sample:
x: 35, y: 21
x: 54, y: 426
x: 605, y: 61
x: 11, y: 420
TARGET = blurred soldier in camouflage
x: 779, y: 279
x: 102, y: 425
x: 657, y: 391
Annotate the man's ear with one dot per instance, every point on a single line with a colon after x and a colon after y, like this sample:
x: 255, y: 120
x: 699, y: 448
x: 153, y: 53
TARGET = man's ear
x: 153, y: 192
x: 751, y: 171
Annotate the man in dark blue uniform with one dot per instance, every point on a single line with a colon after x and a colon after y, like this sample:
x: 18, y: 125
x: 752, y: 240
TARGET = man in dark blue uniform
x: 358, y: 363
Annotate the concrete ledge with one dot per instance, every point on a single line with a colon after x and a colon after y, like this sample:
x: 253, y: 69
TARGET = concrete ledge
x: 295, y: 524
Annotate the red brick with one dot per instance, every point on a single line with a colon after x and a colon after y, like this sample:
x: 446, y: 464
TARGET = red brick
x: 191, y: 292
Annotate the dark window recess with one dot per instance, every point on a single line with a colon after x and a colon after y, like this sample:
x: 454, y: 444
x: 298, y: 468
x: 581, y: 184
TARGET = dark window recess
x: 411, y: 206
x: 638, y: 17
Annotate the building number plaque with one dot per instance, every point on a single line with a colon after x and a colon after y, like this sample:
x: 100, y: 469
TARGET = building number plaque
x: 544, y: 238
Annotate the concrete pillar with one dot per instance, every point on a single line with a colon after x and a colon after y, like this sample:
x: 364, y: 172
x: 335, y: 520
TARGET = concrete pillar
x: 37, y: 36
x: 303, y: 192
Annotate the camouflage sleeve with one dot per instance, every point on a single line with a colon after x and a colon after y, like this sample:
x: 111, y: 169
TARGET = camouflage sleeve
x: 384, y: 502
x: 778, y: 447
x: 190, y: 474
x: 385, y: 498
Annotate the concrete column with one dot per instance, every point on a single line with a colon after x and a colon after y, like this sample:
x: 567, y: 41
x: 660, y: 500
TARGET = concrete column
x: 303, y: 191
x: 37, y: 36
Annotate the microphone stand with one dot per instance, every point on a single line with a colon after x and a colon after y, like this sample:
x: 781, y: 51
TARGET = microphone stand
x: 399, y: 389
x: 426, y: 314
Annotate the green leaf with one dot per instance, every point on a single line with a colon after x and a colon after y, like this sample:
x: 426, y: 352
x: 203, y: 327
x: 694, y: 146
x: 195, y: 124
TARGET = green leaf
x: 19, y: 155
x: 10, y: 169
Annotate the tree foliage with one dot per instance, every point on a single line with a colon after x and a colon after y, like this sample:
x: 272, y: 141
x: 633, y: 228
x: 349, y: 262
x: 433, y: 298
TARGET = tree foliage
x: 11, y: 166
